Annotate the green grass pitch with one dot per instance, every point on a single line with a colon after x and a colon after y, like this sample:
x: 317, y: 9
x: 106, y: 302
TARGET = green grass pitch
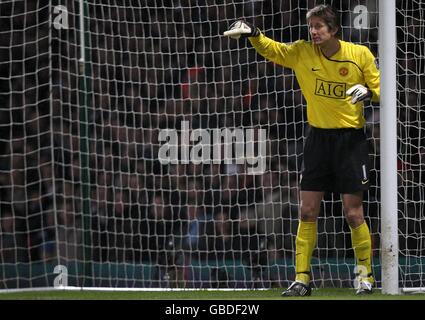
x: 272, y: 294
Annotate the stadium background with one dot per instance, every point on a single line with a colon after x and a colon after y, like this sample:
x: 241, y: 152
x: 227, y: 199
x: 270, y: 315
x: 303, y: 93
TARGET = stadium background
x: 81, y: 184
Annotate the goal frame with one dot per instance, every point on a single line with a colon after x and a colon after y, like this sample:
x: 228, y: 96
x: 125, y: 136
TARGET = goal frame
x: 388, y: 107
x: 388, y: 135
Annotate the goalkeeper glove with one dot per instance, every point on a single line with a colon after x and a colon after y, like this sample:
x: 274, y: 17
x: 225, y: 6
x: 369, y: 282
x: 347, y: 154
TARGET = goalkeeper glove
x: 358, y: 93
x: 242, y: 29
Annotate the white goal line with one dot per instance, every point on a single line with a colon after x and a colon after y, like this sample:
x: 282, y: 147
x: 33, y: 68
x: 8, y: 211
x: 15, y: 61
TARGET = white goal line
x: 72, y: 288
x: 415, y: 290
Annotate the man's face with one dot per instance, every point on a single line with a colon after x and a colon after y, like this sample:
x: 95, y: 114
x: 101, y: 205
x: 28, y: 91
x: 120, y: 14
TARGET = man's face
x: 319, y: 30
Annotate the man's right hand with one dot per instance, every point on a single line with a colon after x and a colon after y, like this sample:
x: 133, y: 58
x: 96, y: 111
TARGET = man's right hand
x: 242, y: 29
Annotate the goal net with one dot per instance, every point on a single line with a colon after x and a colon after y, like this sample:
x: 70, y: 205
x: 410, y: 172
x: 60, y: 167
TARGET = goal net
x: 139, y: 148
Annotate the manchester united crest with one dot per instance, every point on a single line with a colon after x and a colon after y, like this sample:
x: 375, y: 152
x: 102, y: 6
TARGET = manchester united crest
x: 343, y: 71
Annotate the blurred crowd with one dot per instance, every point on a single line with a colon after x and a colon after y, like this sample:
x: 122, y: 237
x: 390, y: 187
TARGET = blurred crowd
x: 79, y: 141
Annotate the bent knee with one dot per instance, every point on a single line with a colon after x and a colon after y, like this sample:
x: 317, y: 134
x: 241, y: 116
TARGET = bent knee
x: 354, y: 217
x: 309, y: 213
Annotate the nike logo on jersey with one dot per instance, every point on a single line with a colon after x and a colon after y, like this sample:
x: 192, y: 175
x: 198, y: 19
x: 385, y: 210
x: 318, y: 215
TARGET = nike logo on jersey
x: 315, y: 69
x: 365, y: 181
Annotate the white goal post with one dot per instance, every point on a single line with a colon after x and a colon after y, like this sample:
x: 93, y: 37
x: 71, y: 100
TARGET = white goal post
x: 103, y: 105
x: 388, y: 122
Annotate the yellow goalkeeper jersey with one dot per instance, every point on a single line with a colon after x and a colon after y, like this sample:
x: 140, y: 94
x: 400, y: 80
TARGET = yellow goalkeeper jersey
x: 324, y: 81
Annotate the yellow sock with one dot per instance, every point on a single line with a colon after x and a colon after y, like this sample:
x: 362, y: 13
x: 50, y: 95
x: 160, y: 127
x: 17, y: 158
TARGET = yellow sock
x: 305, y: 244
x: 362, y: 245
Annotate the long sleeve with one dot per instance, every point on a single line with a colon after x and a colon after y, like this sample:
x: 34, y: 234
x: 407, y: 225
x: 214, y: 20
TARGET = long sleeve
x: 371, y: 74
x: 277, y: 52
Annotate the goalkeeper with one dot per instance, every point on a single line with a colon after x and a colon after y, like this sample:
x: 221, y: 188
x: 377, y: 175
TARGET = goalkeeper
x: 335, y: 77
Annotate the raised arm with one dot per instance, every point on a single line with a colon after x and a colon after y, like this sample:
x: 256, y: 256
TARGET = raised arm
x: 277, y: 52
